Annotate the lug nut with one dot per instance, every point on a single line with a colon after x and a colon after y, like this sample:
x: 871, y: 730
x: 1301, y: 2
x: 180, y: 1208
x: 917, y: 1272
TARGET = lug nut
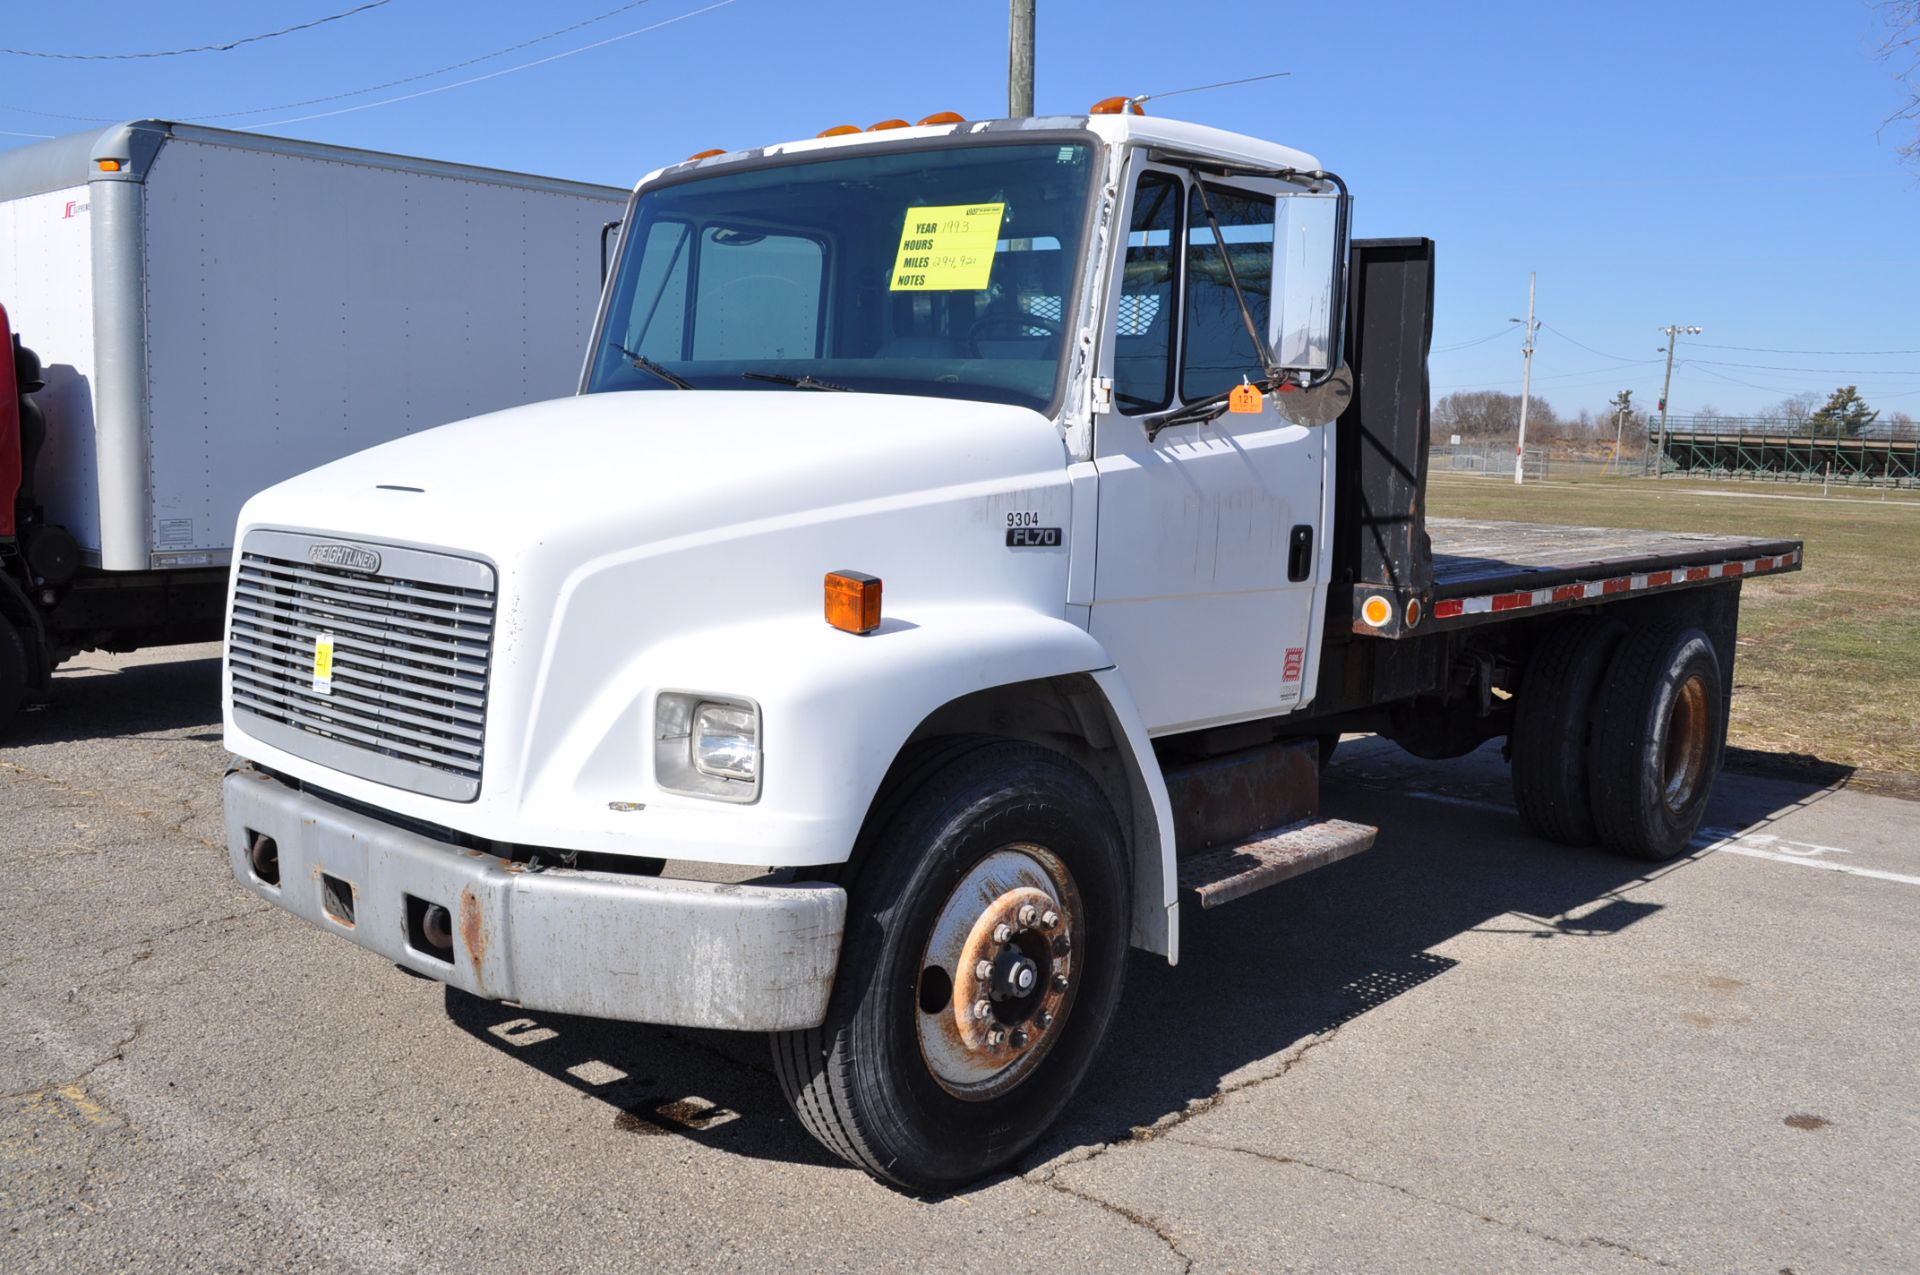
x: 1044, y: 1018
x: 1002, y: 933
x: 983, y: 969
x: 1063, y: 944
x: 1049, y: 919
x: 996, y: 1038
x: 981, y: 1008
x: 1019, y: 1039
x: 1060, y: 982
x: 1027, y: 914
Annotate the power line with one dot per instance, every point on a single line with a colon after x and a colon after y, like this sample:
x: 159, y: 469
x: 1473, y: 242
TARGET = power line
x: 198, y: 48
x: 1831, y: 371
x: 1761, y: 349
x: 361, y: 92
x: 506, y: 70
x: 1479, y: 340
x: 1583, y: 345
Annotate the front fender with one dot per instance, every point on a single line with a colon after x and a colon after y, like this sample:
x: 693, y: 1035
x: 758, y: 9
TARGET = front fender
x: 835, y: 709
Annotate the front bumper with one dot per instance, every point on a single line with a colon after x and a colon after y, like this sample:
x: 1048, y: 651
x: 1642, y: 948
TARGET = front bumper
x: 642, y: 949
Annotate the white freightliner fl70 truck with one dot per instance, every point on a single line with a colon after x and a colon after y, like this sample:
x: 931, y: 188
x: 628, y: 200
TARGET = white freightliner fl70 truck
x: 968, y: 539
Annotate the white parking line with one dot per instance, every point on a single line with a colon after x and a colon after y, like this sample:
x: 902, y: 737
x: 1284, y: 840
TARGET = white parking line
x: 1752, y: 845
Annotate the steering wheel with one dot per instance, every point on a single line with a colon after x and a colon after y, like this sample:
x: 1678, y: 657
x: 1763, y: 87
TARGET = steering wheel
x: 1019, y: 319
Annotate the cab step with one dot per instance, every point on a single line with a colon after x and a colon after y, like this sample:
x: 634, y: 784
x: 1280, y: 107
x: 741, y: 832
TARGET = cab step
x: 1231, y: 872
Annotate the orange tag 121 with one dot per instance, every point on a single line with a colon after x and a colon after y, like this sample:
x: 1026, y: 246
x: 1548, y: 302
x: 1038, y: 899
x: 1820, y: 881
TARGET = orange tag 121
x: 1245, y: 398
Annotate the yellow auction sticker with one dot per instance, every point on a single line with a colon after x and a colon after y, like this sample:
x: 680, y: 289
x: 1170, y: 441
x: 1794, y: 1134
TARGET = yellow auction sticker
x: 323, y: 664
x: 947, y: 248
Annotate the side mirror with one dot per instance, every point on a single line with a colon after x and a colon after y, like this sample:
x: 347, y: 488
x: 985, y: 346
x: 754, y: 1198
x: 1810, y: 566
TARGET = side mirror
x: 1302, y: 331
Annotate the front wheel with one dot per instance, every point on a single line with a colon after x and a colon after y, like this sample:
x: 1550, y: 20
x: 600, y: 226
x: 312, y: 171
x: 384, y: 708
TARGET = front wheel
x: 986, y: 941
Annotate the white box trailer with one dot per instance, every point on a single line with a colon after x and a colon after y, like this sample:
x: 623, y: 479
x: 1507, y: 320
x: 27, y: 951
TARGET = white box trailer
x: 215, y: 311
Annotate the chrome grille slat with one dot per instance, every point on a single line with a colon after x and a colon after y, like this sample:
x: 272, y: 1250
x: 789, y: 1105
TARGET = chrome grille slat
x: 464, y: 693
x: 336, y: 576
x: 452, y: 721
x: 413, y: 615
x: 413, y: 642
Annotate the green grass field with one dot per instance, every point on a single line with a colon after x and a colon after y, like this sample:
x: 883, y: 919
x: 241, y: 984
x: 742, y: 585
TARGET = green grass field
x: 1829, y: 657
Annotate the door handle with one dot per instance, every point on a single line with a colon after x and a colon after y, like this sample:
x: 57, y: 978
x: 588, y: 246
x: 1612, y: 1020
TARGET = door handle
x: 1300, y: 553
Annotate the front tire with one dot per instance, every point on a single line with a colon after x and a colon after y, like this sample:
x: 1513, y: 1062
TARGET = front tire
x: 1003, y: 883
x: 1660, y: 725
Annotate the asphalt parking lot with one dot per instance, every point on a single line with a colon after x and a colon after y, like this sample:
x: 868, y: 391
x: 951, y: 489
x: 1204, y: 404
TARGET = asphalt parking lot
x: 1463, y: 1050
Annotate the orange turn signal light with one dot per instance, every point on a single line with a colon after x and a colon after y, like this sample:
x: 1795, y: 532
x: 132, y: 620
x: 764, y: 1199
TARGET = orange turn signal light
x: 1115, y: 106
x: 945, y: 117
x: 838, y: 130
x: 107, y: 165
x: 705, y: 154
x: 886, y: 124
x: 853, y: 601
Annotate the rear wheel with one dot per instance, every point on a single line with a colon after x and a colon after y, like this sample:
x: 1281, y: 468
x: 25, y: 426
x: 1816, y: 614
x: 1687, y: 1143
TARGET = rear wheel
x: 1660, y: 724
x: 1552, y: 725
x: 986, y: 939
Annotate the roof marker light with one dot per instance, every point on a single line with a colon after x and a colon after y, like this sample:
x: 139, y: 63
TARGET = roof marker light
x: 886, y: 124
x: 705, y: 154
x: 1116, y: 106
x: 838, y: 130
x: 944, y: 117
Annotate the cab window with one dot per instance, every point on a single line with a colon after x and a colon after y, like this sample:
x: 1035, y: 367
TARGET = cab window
x: 1143, y: 344
x: 1218, y: 350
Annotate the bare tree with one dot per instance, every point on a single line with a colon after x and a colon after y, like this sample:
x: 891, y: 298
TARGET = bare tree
x: 1900, y: 50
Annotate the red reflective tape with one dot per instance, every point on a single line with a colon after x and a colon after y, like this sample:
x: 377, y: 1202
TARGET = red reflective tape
x: 1619, y: 584
x: 1512, y: 601
x: 1570, y: 593
x: 1656, y: 579
x: 1696, y: 573
x: 1449, y: 608
x: 1734, y: 569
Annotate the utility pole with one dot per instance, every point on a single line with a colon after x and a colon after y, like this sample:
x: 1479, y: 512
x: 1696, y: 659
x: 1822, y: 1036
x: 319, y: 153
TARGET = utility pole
x: 1526, y: 389
x: 1020, y: 60
x: 1673, y: 332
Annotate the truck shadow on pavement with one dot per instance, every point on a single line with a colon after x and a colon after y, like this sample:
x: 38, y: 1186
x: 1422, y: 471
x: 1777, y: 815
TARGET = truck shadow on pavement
x: 1256, y: 979
x: 92, y: 699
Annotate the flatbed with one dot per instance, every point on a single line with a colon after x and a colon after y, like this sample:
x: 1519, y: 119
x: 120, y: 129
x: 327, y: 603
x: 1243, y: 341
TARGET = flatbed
x: 1482, y: 569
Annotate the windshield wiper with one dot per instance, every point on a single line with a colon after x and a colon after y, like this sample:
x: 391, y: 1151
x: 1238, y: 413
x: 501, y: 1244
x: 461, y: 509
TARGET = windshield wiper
x: 646, y: 364
x: 798, y: 382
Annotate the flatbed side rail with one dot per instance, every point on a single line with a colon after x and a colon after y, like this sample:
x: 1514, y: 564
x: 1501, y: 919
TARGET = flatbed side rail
x: 1467, y: 609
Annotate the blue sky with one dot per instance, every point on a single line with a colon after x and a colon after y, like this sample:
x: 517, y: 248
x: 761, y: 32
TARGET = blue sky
x: 1695, y: 163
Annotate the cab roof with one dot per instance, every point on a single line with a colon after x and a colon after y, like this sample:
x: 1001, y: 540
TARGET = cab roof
x: 1138, y: 130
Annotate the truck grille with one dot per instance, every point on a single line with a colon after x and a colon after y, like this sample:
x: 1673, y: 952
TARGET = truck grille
x: 410, y: 636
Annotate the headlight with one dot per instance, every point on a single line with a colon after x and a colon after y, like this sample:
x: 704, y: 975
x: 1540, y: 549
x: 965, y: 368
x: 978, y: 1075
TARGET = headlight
x: 707, y: 745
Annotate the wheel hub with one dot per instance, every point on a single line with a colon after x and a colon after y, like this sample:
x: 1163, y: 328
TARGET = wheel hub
x: 1006, y: 939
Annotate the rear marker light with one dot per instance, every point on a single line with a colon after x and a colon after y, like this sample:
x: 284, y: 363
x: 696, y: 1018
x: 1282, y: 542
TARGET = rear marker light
x: 853, y: 601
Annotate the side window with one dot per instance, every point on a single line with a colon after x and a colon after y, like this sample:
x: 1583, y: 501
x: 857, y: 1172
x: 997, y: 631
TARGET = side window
x: 1219, y: 350
x: 757, y: 296
x: 1143, y: 346
x: 659, y: 311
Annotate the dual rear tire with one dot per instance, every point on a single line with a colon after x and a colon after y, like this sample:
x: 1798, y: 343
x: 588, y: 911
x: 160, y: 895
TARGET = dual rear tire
x: 1618, y: 734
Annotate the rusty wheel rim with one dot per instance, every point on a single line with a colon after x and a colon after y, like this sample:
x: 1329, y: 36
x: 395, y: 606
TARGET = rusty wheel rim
x: 1689, y: 731
x: 999, y: 972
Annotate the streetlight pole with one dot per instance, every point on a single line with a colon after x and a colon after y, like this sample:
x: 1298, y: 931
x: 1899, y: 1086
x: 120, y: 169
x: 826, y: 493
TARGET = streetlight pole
x: 1526, y: 389
x: 1673, y: 332
x: 1020, y: 60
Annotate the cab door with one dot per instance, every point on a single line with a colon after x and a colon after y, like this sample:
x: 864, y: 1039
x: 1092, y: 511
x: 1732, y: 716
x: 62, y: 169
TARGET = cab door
x: 1206, y: 563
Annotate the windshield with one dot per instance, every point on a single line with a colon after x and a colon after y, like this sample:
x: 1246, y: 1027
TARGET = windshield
x: 945, y: 271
